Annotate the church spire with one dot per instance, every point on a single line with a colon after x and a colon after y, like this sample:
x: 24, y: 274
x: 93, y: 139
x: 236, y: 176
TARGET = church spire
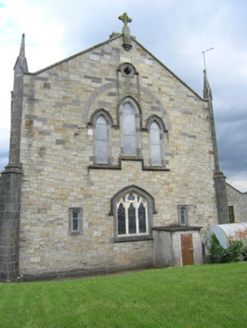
x: 21, y: 62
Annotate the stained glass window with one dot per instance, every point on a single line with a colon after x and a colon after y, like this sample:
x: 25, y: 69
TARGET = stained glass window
x: 132, y: 215
x: 155, y: 144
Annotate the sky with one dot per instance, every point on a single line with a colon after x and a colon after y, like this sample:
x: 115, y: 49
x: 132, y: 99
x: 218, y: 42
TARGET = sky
x: 174, y: 31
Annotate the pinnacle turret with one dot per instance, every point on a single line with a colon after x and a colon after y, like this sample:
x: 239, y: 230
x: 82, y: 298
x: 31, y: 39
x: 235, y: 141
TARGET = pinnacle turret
x: 21, y: 62
x: 207, y: 92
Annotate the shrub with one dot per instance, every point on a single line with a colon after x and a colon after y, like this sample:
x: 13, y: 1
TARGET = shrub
x: 219, y: 254
x: 233, y: 251
x: 216, y: 250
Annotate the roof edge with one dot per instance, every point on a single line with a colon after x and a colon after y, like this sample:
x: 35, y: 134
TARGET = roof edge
x: 160, y: 62
x: 105, y: 42
x: 241, y: 192
x: 73, y: 56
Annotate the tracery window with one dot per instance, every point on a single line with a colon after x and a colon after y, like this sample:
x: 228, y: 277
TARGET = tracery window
x: 133, y: 210
x: 132, y: 215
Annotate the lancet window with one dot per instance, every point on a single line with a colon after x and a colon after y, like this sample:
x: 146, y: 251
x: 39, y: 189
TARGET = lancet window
x: 130, y: 127
x: 102, y: 140
x: 155, y: 144
x: 129, y: 130
x: 102, y: 122
x: 156, y: 130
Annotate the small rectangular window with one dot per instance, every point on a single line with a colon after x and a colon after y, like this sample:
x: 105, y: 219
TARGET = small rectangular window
x: 75, y: 225
x: 75, y: 221
x: 183, y: 215
x: 231, y: 214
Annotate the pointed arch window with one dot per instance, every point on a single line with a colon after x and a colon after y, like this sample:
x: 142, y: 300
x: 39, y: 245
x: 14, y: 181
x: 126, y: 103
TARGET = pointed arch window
x: 102, y: 140
x: 132, y: 215
x: 129, y: 130
x: 130, y: 122
x: 156, y: 128
x: 133, y: 210
x: 101, y: 121
x: 155, y: 144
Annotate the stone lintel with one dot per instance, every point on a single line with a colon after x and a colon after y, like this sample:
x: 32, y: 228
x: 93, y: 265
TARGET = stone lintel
x: 177, y: 228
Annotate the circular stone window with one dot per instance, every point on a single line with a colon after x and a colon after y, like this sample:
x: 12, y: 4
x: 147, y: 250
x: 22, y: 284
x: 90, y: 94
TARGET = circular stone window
x: 127, y: 70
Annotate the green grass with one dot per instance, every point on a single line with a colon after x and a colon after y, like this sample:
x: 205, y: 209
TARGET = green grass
x: 192, y: 296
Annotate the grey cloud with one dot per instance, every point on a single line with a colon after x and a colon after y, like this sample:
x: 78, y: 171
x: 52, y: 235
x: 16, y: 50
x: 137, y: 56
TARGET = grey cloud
x: 176, y: 32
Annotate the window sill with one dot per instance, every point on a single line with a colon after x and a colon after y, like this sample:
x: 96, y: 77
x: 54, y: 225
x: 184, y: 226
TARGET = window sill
x: 132, y: 238
x: 104, y: 166
x: 130, y: 158
x: 127, y: 158
x: 154, y: 168
x: 75, y: 233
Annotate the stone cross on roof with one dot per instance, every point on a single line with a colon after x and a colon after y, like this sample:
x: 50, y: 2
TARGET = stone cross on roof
x: 126, y: 31
x: 124, y: 18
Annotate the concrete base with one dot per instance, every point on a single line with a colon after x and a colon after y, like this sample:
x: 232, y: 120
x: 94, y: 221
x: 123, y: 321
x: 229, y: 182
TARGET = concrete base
x: 167, y: 250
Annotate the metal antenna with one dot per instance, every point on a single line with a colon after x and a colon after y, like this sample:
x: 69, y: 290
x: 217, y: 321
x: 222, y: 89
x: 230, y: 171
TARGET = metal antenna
x: 204, y: 57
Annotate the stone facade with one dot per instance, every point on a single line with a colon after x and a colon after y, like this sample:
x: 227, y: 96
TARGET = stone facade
x: 238, y: 200
x: 61, y: 172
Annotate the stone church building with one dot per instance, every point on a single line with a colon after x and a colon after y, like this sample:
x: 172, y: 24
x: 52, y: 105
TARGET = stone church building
x: 113, y: 165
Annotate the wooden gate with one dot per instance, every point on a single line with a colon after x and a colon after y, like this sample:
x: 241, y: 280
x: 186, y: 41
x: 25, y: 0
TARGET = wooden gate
x: 187, y: 249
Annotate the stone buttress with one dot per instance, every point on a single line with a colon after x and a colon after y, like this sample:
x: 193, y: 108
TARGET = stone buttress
x: 11, y: 180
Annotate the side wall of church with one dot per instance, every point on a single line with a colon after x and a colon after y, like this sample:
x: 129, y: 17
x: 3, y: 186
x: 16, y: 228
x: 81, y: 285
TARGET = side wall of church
x: 238, y: 200
x: 57, y: 154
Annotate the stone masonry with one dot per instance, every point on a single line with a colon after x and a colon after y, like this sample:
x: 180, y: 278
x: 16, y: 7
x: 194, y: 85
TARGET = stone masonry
x: 238, y: 200
x: 57, y: 156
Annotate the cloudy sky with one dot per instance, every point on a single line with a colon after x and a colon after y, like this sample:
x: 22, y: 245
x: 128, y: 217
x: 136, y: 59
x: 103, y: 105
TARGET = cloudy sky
x: 175, y: 31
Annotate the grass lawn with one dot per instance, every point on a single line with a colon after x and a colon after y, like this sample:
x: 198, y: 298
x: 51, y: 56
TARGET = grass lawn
x: 192, y: 296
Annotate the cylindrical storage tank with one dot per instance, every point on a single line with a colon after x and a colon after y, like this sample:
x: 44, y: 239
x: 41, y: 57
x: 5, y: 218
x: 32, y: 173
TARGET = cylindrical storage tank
x: 226, y: 233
